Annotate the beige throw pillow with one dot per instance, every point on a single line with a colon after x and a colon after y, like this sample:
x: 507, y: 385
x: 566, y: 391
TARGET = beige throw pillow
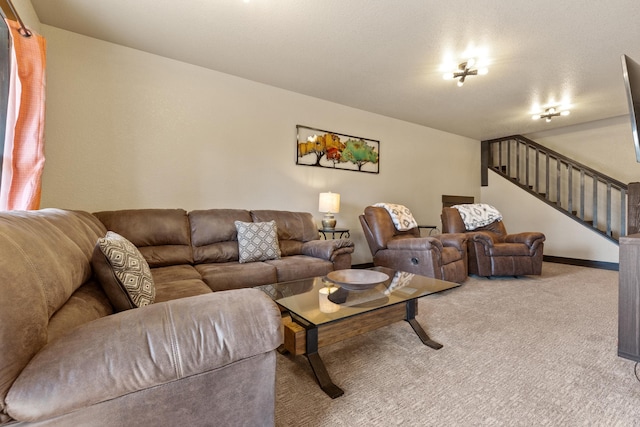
x: 257, y: 241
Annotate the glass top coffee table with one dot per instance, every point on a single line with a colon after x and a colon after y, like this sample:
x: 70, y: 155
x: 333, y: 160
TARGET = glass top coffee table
x: 323, y: 310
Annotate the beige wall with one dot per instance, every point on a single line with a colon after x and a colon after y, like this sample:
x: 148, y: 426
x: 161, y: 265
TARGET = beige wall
x: 126, y: 129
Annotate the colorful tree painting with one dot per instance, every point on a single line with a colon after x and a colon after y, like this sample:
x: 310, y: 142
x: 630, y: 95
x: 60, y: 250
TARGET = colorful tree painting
x: 359, y: 153
x: 320, y: 148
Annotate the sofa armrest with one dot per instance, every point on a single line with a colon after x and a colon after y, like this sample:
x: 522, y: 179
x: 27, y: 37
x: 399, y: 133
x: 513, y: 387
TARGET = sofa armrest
x: 327, y: 249
x: 528, y: 238
x: 415, y: 244
x: 142, y: 348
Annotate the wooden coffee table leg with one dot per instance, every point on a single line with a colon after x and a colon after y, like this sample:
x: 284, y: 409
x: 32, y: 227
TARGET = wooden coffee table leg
x: 317, y: 365
x: 411, y: 318
x: 282, y: 349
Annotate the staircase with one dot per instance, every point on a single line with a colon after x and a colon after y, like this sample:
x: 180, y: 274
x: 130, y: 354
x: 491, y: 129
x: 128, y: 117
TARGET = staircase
x: 593, y: 199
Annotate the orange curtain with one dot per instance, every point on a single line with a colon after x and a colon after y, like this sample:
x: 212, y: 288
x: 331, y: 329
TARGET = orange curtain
x: 23, y: 160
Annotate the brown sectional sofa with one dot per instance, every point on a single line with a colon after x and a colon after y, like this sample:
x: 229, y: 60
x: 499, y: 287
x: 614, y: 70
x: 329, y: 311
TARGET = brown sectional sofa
x: 191, y: 253
x: 194, y: 357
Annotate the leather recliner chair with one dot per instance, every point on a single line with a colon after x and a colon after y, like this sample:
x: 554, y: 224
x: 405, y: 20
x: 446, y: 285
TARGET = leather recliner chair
x: 441, y: 257
x: 493, y: 252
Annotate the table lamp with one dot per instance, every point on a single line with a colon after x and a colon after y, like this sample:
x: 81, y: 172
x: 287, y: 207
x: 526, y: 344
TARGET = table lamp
x: 329, y: 203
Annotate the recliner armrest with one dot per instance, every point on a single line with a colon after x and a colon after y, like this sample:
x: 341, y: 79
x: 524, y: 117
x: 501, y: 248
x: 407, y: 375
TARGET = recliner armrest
x: 142, y: 348
x: 327, y: 249
x: 456, y: 240
x: 528, y: 238
x: 484, y: 238
x: 415, y: 244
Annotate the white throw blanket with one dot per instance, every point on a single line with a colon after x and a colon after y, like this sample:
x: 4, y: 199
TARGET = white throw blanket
x: 478, y: 215
x: 400, y: 215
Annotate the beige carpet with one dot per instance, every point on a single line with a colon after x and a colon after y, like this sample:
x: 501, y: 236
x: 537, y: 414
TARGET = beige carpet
x: 531, y: 351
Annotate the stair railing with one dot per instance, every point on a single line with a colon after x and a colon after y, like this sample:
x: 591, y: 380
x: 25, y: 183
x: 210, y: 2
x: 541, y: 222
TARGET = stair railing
x: 586, y: 195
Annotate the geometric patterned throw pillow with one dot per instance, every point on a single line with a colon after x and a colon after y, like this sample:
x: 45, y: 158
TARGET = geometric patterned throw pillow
x: 129, y: 269
x: 257, y: 241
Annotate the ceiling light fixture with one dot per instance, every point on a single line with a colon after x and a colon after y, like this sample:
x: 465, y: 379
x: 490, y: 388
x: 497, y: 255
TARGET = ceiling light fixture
x: 551, y: 112
x: 465, y: 69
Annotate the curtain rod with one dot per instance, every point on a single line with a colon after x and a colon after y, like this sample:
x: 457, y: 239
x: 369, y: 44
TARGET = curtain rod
x: 24, y: 31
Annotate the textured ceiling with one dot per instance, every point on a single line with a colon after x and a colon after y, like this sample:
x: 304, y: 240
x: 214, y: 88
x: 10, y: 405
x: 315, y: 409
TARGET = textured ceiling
x: 385, y: 56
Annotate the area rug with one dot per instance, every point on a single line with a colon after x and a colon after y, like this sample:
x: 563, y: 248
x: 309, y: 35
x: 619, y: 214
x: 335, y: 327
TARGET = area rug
x: 527, y: 351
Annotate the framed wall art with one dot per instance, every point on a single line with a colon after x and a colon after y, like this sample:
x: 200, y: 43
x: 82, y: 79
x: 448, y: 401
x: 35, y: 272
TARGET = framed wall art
x: 321, y: 148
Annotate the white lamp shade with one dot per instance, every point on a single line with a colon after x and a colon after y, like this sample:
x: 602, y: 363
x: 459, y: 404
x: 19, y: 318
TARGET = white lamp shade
x: 329, y: 202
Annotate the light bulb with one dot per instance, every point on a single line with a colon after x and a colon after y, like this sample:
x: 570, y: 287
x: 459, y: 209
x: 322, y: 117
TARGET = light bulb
x: 551, y: 110
x: 565, y: 113
x: 460, y: 83
x: 471, y: 62
x: 447, y: 76
x: 483, y: 71
x: 536, y: 117
x: 548, y: 119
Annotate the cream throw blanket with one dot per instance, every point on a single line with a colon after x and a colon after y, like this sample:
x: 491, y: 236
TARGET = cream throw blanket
x: 478, y: 215
x: 400, y: 215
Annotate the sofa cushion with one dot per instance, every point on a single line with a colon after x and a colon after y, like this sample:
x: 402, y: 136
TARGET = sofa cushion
x: 161, y: 235
x: 214, y: 234
x: 257, y: 241
x: 293, y: 228
x: 123, y: 272
x: 178, y: 281
x: 221, y: 276
x: 89, y: 302
x: 172, y: 273
x: 178, y: 289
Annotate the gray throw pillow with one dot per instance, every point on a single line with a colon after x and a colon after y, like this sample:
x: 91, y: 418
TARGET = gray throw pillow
x: 257, y: 241
x: 123, y: 272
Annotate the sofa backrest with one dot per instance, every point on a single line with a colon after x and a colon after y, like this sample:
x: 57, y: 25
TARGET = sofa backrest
x: 213, y: 234
x: 294, y: 228
x: 163, y: 236
x: 44, y: 257
x: 173, y: 236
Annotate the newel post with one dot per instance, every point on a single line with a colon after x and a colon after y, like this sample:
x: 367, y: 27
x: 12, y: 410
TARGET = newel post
x: 633, y: 208
x: 485, y: 153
